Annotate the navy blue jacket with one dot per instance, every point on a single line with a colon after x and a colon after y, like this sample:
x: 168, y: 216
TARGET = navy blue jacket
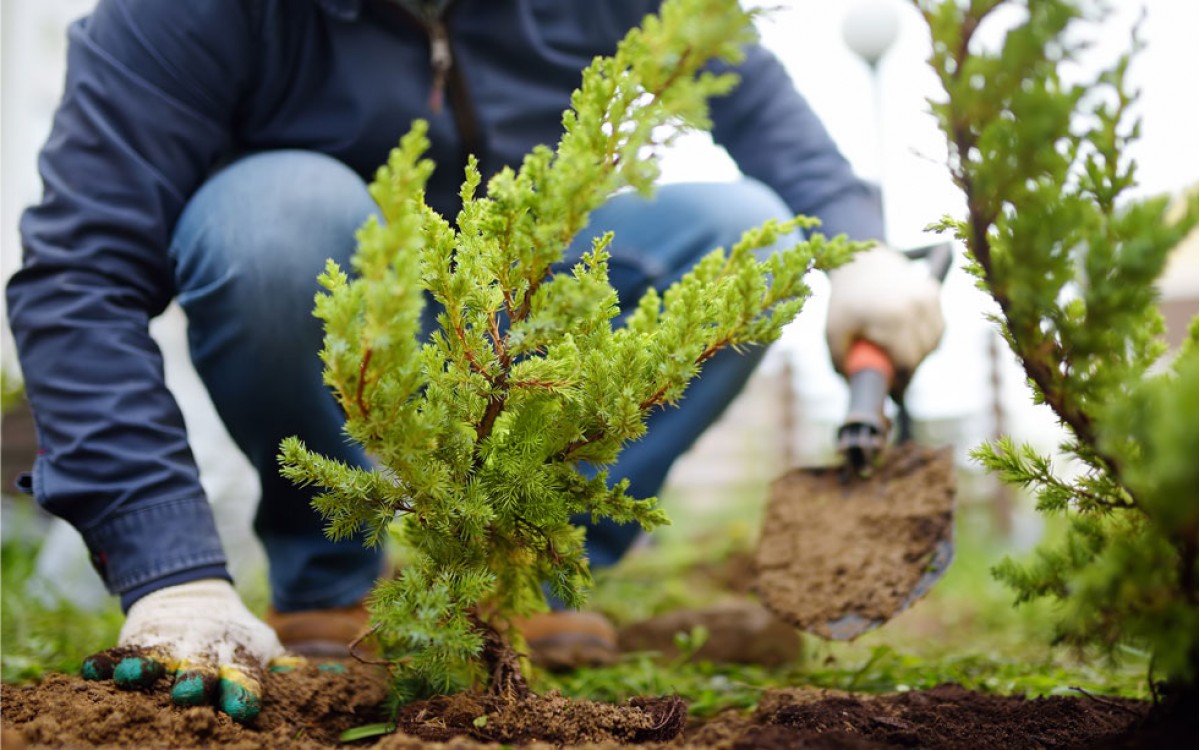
x: 160, y: 93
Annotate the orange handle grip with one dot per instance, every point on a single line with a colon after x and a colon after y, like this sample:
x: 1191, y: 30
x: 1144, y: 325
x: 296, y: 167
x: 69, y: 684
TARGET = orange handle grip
x: 864, y: 355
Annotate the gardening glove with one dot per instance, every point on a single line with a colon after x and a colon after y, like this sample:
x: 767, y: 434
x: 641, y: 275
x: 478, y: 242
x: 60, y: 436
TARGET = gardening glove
x: 202, y: 635
x: 883, y: 297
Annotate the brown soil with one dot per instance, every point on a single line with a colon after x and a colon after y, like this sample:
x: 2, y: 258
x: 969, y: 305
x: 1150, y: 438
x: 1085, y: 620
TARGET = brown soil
x: 308, y: 708
x: 839, y: 555
x: 305, y: 708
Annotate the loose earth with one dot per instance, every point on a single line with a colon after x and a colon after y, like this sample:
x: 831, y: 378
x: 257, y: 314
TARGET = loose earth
x: 309, y: 708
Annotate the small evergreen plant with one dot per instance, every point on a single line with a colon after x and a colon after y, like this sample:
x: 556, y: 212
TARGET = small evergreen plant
x: 480, y: 430
x: 1071, y: 263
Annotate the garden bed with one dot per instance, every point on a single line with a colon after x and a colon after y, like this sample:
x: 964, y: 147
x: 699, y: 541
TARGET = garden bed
x: 310, y: 707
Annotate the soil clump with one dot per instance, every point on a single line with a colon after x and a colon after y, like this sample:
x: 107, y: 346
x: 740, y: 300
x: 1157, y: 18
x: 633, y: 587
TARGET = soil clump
x: 838, y: 551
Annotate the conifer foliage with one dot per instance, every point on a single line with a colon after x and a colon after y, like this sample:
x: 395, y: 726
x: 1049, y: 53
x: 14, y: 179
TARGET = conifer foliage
x: 1071, y: 261
x: 480, y: 429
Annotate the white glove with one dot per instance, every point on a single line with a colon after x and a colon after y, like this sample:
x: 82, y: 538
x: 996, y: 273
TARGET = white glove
x: 203, y: 634
x: 885, y: 298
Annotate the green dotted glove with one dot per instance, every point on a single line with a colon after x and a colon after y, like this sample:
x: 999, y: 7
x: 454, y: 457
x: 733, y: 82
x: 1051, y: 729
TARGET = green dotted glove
x: 201, y: 635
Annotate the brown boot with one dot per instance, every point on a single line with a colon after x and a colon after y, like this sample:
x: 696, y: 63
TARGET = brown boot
x: 561, y: 641
x: 324, y: 633
x: 739, y: 632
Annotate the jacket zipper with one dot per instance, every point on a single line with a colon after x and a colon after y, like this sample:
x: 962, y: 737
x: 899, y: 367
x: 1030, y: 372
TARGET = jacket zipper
x: 441, y: 59
x: 448, y: 81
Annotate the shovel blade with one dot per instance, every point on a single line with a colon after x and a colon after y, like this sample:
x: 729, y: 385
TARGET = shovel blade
x: 840, y: 555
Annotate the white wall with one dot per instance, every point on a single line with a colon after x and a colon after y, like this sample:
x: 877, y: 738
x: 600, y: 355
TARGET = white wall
x: 31, y: 75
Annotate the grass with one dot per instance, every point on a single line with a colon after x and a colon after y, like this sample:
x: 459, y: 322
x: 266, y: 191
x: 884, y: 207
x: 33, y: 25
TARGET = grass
x: 964, y: 631
x: 35, y: 637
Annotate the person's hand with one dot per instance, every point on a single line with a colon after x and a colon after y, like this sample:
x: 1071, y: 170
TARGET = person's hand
x: 894, y: 303
x: 202, y: 635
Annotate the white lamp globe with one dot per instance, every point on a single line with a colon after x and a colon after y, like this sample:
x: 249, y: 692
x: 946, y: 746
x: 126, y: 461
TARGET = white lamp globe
x: 869, y: 29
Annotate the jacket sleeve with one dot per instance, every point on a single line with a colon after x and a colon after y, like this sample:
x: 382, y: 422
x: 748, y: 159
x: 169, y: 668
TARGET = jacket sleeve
x: 775, y: 137
x: 149, y: 101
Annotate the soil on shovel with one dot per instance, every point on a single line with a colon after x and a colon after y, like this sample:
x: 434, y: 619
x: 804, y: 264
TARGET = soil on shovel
x: 835, y: 548
x: 308, y: 708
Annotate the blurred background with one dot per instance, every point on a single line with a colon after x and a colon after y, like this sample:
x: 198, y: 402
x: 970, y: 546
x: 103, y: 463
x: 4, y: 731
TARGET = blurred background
x: 862, y: 66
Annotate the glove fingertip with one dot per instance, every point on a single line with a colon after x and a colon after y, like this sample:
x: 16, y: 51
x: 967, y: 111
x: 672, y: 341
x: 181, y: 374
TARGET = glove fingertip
x: 98, y: 667
x: 287, y: 663
x: 194, y: 685
x: 137, y: 672
x: 240, y: 694
x: 240, y: 704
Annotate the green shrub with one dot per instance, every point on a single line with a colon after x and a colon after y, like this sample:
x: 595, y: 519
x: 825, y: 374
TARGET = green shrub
x: 479, y: 431
x: 1071, y: 264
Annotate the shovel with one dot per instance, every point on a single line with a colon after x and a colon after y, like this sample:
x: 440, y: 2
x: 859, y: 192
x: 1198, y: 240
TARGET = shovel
x: 845, y: 548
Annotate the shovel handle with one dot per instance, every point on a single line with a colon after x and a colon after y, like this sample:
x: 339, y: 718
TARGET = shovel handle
x: 864, y: 355
x: 869, y: 372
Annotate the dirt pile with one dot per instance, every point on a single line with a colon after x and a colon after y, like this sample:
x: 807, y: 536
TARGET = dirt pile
x: 948, y: 717
x: 308, y: 709
x: 305, y: 708
x: 550, y: 719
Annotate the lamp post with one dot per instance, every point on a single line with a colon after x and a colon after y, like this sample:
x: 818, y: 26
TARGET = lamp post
x: 869, y: 29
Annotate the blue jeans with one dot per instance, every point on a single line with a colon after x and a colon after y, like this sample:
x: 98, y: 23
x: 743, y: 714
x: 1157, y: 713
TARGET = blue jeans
x: 247, y: 251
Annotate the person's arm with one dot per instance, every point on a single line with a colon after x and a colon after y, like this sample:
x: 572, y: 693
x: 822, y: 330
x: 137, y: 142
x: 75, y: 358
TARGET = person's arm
x: 775, y: 137
x: 145, y: 114
x: 151, y: 92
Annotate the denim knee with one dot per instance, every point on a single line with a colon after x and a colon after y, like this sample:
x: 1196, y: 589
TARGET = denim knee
x: 730, y: 209
x: 264, y: 226
x: 657, y: 240
x: 247, y: 252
